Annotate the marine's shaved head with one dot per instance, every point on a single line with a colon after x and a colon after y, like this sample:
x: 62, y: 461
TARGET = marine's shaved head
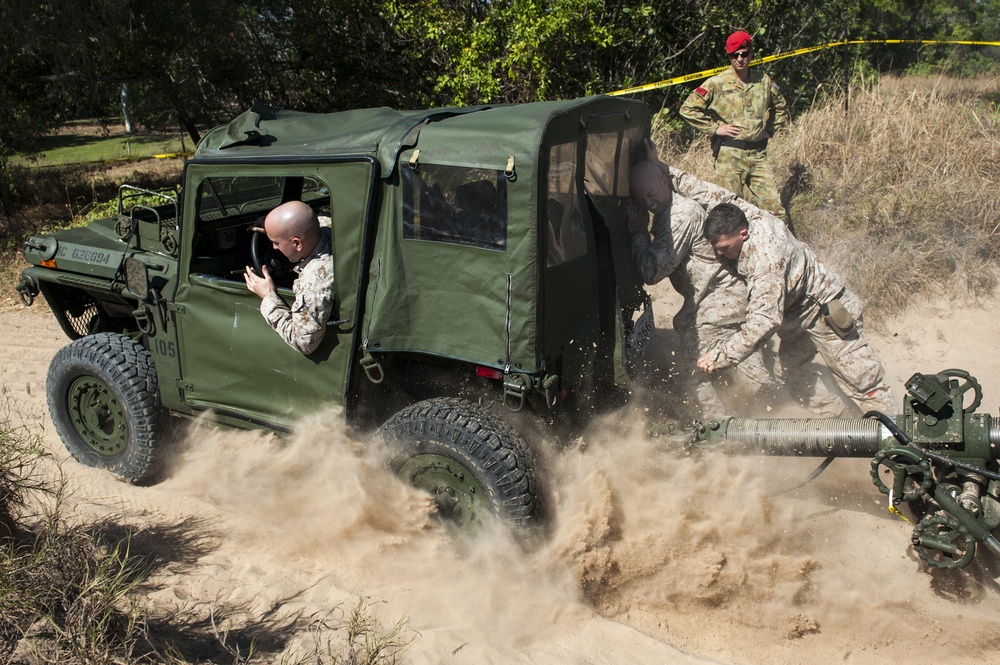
x: 293, y: 229
x: 650, y: 186
x: 644, y: 173
x: 293, y: 219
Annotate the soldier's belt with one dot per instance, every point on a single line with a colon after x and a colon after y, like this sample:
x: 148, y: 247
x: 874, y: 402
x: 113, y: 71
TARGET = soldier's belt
x: 744, y: 145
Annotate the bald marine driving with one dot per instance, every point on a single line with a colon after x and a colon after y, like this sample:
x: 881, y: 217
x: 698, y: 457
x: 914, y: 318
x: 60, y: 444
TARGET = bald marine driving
x: 294, y: 230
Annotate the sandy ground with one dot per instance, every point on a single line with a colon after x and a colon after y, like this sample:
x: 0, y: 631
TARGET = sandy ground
x: 654, y: 557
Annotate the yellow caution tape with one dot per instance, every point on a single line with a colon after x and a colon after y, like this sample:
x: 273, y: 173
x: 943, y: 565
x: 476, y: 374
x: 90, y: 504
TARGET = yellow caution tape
x: 895, y: 511
x: 781, y: 56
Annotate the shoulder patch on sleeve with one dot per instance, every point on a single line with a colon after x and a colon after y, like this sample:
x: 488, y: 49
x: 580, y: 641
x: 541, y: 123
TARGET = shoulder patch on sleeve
x: 700, y: 90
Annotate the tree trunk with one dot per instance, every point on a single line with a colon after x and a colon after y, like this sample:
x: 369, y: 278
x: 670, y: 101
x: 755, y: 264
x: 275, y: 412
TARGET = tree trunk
x: 125, y: 112
x: 182, y: 116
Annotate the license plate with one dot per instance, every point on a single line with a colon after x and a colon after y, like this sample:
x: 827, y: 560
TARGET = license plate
x: 642, y: 331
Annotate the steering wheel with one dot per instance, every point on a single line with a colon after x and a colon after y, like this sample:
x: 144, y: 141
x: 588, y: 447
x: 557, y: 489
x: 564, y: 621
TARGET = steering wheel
x: 262, y: 253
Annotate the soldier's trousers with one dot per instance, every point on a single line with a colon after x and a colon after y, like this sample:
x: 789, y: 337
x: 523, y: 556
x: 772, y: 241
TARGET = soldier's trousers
x: 748, y: 377
x: 748, y: 174
x: 856, y: 367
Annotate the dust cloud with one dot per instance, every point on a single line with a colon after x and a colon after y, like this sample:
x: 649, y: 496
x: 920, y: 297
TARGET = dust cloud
x: 697, y: 551
x: 654, y: 555
x: 322, y: 500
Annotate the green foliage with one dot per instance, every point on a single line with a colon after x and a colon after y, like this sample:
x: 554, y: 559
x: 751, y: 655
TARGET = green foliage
x: 192, y: 64
x: 526, y: 50
x: 104, y: 209
x: 963, y: 65
x: 8, y: 187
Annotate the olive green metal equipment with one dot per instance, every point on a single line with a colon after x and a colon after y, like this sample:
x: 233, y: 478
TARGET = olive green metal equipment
x: 939, y: 458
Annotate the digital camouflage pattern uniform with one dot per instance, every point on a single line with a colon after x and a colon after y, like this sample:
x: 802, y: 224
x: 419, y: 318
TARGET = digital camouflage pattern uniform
x: 714, y: 296
x: 758, y: 109
x: 786, y: 285
x: 303, y: 325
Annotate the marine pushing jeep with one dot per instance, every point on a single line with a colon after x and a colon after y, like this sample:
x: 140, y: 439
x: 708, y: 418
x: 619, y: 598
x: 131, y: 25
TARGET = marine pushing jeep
x: 482, y: 269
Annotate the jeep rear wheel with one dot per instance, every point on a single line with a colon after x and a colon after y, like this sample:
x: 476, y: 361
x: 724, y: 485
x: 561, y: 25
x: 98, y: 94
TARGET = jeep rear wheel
x: 473, y: 464
x: 104, y: 401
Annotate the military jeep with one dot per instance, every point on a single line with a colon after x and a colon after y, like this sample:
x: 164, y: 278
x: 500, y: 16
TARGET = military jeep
x: 483, y: 275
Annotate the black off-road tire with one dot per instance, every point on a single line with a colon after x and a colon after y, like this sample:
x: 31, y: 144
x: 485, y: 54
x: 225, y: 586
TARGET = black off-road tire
x: 473, y: 463
x: 104, y: 400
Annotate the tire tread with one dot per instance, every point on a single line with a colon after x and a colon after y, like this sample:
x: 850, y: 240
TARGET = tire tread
x: 482, y: 436
x: 127, y: 368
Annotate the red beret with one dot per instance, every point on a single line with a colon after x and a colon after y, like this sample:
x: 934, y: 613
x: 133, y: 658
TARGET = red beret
x: 736, y: 41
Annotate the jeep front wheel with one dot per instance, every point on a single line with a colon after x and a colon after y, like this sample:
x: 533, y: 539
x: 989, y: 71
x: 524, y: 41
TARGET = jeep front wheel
x: 104, y: 401
x: 473, y: 464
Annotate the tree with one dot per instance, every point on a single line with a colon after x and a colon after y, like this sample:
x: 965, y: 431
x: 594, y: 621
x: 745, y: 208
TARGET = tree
x: 199, y: 63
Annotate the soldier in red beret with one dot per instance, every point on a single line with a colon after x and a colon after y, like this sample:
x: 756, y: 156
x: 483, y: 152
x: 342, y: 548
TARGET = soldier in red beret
x: 741, y: 110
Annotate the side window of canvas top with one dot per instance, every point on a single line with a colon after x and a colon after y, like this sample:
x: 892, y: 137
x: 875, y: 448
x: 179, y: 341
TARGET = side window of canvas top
x: 457, y: 205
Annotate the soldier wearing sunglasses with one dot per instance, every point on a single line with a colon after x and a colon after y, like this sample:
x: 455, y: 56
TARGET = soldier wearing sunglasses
x: 741, y: 110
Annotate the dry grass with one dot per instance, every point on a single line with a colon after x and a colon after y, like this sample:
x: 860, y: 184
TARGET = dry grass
x: 900, y: 193
x: 73, y: 594
x: 20, y: 450
x: 63, y: 599
x: 354, y: 636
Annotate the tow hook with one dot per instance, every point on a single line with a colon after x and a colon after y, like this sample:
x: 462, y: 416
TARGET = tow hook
x: 27, y: 289
x: 144, y: 319
x: 549, y: 386
x: 515, y: 389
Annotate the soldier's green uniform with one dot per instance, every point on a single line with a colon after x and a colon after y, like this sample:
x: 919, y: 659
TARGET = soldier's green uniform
x: 758, y: 109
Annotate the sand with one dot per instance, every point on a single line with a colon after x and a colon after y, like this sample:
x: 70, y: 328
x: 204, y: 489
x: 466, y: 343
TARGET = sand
x: 653, y: 557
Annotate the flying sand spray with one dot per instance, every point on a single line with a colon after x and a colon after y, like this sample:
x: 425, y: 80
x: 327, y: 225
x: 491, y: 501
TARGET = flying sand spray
x: 938, y: 457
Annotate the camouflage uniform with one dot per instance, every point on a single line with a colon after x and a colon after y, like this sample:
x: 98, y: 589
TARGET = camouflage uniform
x: 303, y: 324
x: 714, y: 295
x: 786, y: 286
x: 757, y: 108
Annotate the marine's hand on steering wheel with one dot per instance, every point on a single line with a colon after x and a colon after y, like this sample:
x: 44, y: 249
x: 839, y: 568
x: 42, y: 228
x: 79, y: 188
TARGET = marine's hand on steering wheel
x: 262, y: 253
